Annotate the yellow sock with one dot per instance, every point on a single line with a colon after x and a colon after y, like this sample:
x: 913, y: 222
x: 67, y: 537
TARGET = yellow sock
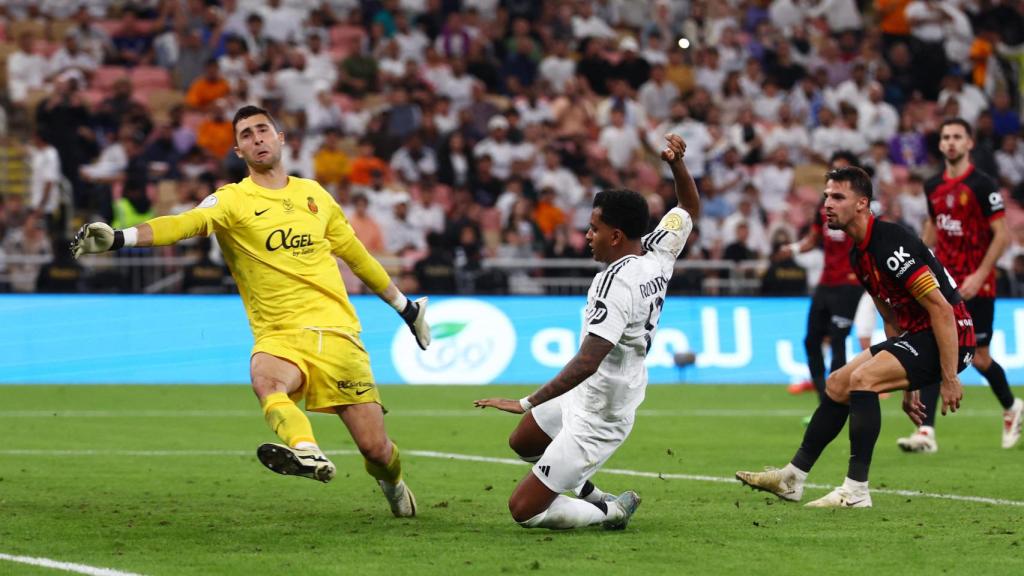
x: 392, y: 473
x: 287, y: 420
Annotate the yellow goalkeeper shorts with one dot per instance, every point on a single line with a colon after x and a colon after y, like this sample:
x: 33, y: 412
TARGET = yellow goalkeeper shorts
x: 335, y: 366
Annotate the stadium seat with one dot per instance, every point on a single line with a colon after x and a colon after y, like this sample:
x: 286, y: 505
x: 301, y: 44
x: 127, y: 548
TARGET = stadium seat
x: 150, y: 77
x: 105, y: 76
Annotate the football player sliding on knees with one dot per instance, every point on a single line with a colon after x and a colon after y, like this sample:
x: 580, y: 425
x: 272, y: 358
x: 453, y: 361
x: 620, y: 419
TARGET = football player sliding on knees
x: 280, y: 236
x: 575, y: 422
x: 930, y: 341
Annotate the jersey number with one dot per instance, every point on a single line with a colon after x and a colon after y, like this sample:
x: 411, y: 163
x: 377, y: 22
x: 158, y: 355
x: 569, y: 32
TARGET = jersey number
x: 652, y: 320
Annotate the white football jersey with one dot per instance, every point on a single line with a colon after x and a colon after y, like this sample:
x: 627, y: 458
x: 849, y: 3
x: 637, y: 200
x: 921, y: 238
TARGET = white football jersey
x: 623, y: 307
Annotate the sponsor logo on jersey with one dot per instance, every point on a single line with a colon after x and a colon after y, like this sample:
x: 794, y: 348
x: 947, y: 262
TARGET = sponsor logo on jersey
x: 311, y: 205
x: 597, y: 313
x: 473, y: 343
x: 949, y: 225
x: 898, y: 258
x: 995, y: 200
x: 287, y: 239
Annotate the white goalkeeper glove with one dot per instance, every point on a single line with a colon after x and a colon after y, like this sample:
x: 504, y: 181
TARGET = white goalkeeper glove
x: 96, y: 237
x: 415, y: 316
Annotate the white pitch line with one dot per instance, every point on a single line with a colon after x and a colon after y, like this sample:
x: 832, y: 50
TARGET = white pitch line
x: 458, y: 413
x: 496, y: 460
x: 65, y: 566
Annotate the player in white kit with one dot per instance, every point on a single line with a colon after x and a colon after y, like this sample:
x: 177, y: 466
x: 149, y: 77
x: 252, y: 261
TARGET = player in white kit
x: 575, y: 422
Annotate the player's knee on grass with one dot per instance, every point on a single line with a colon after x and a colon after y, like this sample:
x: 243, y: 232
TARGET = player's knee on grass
x: 521, y: 508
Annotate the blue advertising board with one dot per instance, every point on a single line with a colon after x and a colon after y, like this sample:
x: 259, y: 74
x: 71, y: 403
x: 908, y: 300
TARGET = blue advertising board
x: 101, y: 339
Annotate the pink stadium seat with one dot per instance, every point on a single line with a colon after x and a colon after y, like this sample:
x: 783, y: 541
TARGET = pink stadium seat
x: 106, y: 76
x: 150, y: 77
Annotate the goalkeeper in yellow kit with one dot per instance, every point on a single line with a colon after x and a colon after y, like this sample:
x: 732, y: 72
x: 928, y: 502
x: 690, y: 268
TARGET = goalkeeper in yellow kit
x: 279, y: 235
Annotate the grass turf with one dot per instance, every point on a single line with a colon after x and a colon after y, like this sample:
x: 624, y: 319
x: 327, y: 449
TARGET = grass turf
x: 164, y: 480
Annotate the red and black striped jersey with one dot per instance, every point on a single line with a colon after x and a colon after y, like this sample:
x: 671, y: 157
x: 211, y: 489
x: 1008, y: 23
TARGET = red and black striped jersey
x: 837, y: 245
x: 962, y: 210
x: 895, y: 266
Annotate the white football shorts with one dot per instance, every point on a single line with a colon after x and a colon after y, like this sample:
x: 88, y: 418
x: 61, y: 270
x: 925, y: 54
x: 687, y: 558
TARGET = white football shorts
x: 580, y: 444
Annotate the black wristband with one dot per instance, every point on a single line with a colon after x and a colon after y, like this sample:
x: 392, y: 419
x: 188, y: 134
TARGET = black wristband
x: 118, y: 240
x: 411, y: 310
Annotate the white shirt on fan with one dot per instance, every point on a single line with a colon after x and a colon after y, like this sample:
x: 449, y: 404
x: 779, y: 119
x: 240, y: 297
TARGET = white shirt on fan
x: 623, y: 307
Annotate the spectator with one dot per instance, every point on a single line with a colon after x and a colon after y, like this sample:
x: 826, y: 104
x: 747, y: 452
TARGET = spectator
x: 215, y: 135
x: 365, y: 225
x: 784, y: 276
x: 400, y: 234
x: 91, y: 38
x: 657, y: 94
x: 323, y: 112
x: 209, y: 88
x: 133, y: 41
x: 330, y: 163
x: 26, y: 69
x: 365, y: 165
x: 1010, y: 159
x: 296, y: 156
x: 134, y: 207
x: 620, y: 142
x: 547, y: 214
x: 876, y: 118
x: 436, y: 271
x: 738, y: 250
x: 44, y: 187
x: 1005, y: 119
x: 426, y: 213
x: 71, y: 59
x: 29, y: 239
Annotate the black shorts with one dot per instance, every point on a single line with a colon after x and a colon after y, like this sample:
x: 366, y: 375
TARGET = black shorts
x: 983, y: 312
x: 833, y: 309
x: 918, y: 353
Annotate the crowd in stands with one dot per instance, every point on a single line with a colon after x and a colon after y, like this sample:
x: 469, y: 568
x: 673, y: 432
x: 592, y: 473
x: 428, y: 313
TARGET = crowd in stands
x: 459, y: 131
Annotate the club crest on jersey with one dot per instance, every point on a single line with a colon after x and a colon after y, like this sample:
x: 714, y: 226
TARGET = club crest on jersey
x: 598, y: 313
x: 288, y: 205
x: 311, y: 205
x: 964, y: 198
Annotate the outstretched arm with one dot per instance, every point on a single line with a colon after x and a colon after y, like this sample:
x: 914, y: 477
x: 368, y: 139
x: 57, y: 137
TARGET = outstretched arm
x: 97, y: 237
x: 686, y: 188
x: 582, y: 366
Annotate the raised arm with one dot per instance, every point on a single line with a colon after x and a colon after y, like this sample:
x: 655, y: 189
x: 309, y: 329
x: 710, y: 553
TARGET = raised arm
x: 686, y: 189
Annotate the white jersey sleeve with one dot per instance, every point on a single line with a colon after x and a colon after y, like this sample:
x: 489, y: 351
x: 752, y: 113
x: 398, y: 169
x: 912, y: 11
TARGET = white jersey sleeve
x: 612, y: 305
x: 668, y: 239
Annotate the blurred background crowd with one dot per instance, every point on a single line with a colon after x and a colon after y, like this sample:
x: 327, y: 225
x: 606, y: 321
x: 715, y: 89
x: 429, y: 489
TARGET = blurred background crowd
x: 466, y: 138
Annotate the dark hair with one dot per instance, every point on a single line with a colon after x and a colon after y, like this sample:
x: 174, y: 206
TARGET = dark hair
x: 625, y: 210
x: 957, y: 122
x: 859, y: 180
x: 248, y: 112
x: 850, y: 158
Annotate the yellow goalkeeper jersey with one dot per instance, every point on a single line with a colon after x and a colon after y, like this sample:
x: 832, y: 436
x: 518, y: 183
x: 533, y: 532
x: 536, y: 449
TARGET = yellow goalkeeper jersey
x: 280, y: 247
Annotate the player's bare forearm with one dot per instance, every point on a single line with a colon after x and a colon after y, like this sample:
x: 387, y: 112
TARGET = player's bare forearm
x: 928, y: 233
x: 686, y: 189
x: 889, y: 323
x: 582, y: 366
x: 1000, y: 241
x: 944, y: 327
x: 145, y: 237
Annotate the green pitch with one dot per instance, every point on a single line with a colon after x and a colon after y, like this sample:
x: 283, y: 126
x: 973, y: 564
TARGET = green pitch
x: 164, y: 480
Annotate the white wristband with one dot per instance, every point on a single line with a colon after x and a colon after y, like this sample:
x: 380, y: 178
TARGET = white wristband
x: 795, y: 247
x: 131, y: 236
x: 399, y: 302
x: 524, y: 402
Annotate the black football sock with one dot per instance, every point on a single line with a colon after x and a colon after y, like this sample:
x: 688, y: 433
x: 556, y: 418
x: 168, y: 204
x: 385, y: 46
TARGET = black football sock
x: 826, y: 423
x: 996, y: 377
x: 816, y: 364
x: 865, y: 424
x: 930, y: 399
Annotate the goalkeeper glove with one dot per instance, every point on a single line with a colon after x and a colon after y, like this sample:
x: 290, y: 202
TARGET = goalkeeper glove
x: 415, y: 316
x: 96, y: 237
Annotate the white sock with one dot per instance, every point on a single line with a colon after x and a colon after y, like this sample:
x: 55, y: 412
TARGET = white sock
x: 800, y: 474
x: 399, y: 302
x: 304, y: 445
x: 855, y: 486
x: 566, y: 512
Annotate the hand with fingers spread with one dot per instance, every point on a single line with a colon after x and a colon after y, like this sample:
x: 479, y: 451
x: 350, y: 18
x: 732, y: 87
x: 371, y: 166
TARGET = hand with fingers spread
x: 505, y: 404
x: 675, y: 149
x: 952, y: 392
x: 913, y: 406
